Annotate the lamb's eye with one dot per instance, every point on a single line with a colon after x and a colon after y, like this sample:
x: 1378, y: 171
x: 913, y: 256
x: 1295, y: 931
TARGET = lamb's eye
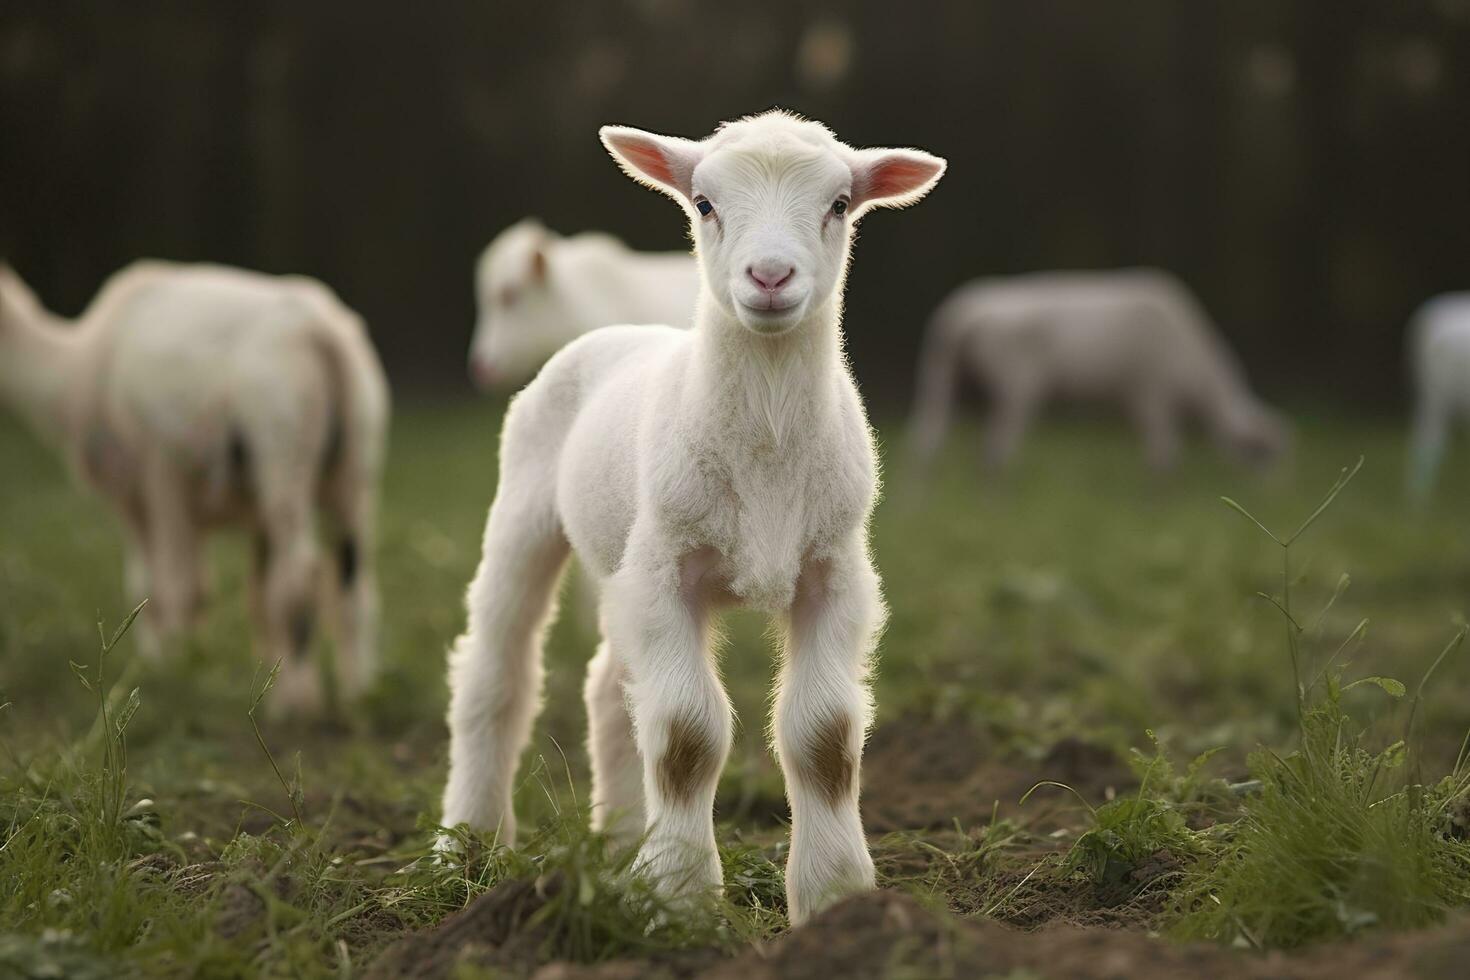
x: 704, y: 207
x: 839, y: 206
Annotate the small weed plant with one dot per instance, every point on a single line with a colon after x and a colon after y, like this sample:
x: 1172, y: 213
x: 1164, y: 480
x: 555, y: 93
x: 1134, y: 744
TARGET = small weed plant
x: 1340, y: 835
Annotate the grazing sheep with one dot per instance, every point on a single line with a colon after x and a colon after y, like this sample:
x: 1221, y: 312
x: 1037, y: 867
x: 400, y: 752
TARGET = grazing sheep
x: 1137, y: 337
x: 537, y: 291
x: 687, y: 470
x: 196, y: 396
x: 1439, y: 339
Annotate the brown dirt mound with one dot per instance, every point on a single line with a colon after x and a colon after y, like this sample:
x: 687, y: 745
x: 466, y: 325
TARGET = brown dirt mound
x: 492, y: 931
x: 888, y: 934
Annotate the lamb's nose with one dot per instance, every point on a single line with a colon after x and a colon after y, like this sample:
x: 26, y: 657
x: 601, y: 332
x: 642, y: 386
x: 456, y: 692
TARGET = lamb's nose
x: 770, y: 276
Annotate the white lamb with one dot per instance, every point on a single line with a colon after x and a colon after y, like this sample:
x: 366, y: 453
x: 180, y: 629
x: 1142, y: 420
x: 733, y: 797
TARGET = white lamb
x: 537, y: 291
x: 1439, y: 340
x: 687, y: 470
x: 195, y: 396
x: 1136, y: 337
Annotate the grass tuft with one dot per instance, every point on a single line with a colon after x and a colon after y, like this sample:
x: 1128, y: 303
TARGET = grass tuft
x: 1340, y: 836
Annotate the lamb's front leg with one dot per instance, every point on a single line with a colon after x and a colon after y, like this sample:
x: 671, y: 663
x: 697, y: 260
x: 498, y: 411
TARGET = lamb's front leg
x: 682, y: 719
x: 823, y: 707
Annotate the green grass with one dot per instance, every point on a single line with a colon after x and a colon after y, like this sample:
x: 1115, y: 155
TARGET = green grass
x: 1079, y: 599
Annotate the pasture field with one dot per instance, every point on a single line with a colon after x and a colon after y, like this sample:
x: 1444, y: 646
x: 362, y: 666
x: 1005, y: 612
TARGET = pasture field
x: 1078, y: 622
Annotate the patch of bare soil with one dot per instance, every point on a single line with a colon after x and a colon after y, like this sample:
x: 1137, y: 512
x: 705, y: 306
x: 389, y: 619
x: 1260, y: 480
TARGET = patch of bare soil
x: 888, y: 934
x: 921, y: 775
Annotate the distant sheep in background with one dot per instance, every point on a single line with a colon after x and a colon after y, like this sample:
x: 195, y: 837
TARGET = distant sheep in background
x: 1439, y: 361
x: 688, y: 470
x: 1135, y: 337
x: 194, y: 396
x: 538, y: 290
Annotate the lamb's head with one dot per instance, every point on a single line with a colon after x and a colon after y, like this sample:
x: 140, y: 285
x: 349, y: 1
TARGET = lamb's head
x: 519, y: 324
x: 772, y: 200
x: 1256, y: 435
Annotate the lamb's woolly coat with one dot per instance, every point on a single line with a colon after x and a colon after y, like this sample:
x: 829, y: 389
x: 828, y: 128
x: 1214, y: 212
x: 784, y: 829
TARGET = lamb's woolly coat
x: 1439, y: 360
x: 538, y: 290
x: 1136, y: 338
x: 196, y: 396
x: 688, y: 470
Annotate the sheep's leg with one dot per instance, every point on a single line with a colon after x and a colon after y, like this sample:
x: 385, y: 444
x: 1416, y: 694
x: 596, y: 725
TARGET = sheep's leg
x: 255, y: 582
x: 1427, y: 445
x: 289, y: 600
x: 617, y: 770
x: 823, y: 708
x: 173, y: 554
x: 681, y: 716
x: 354, y: 586
x: 495, y: 667
x: 136, y: 584
x: 1016, y: 403
x: 1156, y: 416
x: 934, y: 398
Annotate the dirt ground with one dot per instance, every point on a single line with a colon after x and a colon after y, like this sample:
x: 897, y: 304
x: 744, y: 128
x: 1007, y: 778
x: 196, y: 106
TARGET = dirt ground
x: 935, y: 777
x: 889, y: 934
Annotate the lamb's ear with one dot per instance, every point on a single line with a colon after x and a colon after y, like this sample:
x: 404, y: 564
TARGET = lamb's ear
x: 885, y: 178
x: 665, y: 163
x: 538, y: 264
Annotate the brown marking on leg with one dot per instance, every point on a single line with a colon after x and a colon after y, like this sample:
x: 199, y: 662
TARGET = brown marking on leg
x: 828, y: 763
x: 688, y: 761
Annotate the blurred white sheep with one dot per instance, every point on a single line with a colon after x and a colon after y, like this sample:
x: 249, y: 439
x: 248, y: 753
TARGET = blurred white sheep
x: 195, y: 396
x: 1134, y: 337
x: 537, y: 291
x: 1439, y: 361
x: 731, y: 463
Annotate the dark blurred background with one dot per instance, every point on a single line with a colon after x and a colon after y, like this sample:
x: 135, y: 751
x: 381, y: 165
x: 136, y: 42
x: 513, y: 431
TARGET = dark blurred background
x: 1304, y: 165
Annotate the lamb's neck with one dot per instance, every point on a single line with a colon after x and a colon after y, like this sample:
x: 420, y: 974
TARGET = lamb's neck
x: 770, y: 389
x: 40, y: 358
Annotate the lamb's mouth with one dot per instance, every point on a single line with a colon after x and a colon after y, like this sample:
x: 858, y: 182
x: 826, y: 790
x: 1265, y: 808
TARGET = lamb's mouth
x: 770, y: 312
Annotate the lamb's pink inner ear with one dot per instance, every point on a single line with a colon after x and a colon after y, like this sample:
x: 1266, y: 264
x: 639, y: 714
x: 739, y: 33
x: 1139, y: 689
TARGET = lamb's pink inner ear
x: 648, y: 158
x: 663, y: 162
x: 894, y: 178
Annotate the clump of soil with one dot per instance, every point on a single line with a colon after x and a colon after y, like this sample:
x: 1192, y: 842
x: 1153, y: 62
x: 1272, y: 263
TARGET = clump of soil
x: 495, y: 930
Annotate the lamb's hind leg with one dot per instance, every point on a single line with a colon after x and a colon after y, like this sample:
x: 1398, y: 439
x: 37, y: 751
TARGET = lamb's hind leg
x: 287, y: 556
x: 354, y: 583
x: 617, y: 770
x: 495, y: 667
x: 172, y: 547
x: 823, y: 708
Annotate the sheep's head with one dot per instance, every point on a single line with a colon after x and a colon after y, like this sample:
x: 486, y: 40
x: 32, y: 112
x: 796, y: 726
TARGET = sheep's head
x: 772, y: 200
x: 17, y: 302
x: 1256, y: 435
x: 518, y: 325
